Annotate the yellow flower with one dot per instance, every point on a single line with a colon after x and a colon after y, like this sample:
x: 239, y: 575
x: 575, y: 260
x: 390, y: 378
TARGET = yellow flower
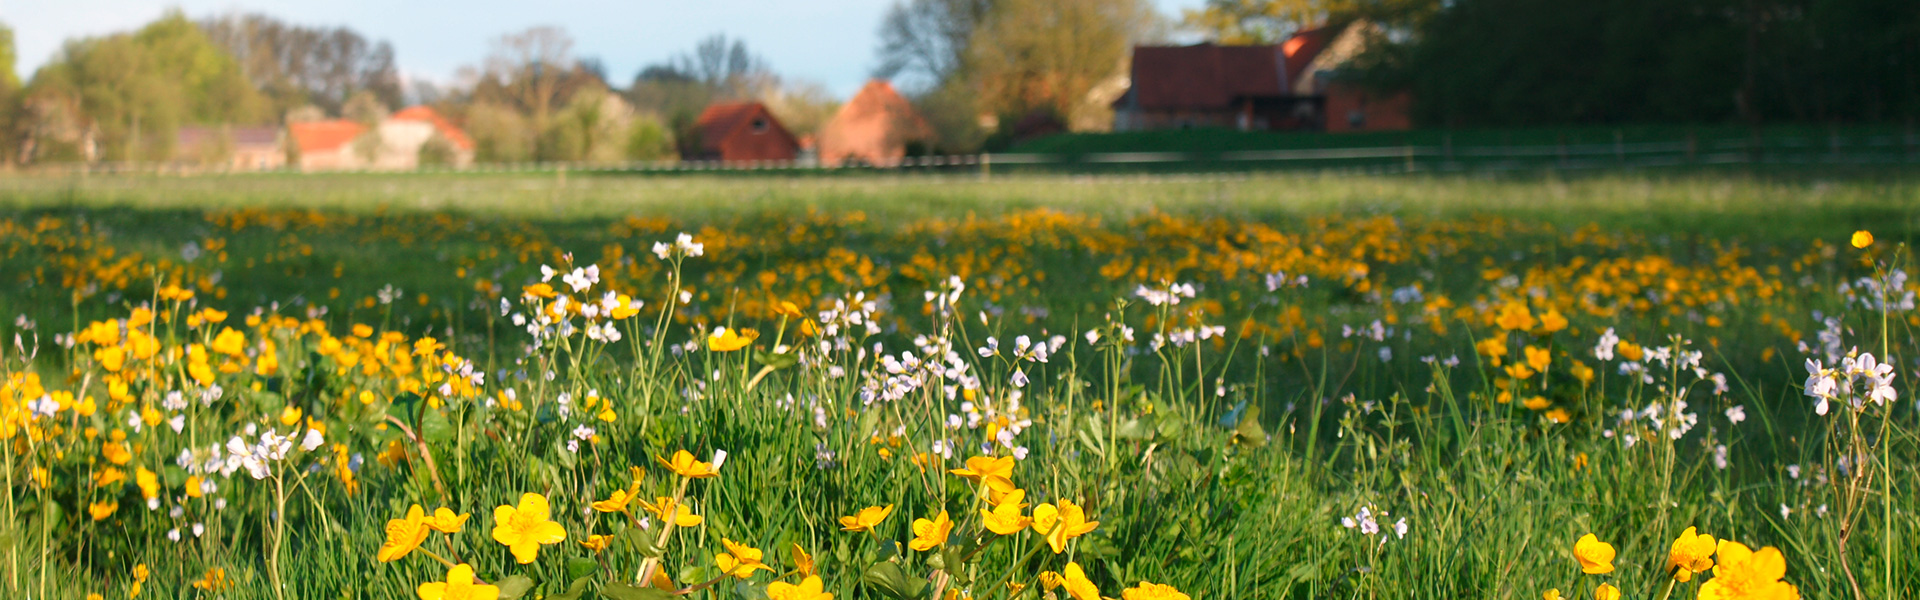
x: 988, y: 470
x: 445, y: 521
x: 229, y: 342
x: 930, y: 534
x: 140, y: 574
x: 665, y: 508
x: 460, y: 585
x: 1520, y: 370
x: 1005, y: 518
x: 787, y: 309
x: 740, y: 560
x: 1630, y: 351
x: 1595, y: 556
x: 1538, y: 358
x: 1553, y: 321
x: 1515, y: 316
x: 809, y: 589
x: 1745, y: 574
x: 1552, y: 594
x: 1077, y: 584
x: 1558, y: 415
x: 727, y: 340
x: 597, y: 543
x: 523, y: 530
x: 1051, y: 580
x: 802, y: 562
x: 618, y: 501
x: 866, y: 518
x: 213, y: 581
x: 1536, y: 403
x: 1606, y: 591
x: 1061, y: 524
x: 1492, y: 348
x: 148, y: 481
x: 1862, y: 238
x: 403, y: 535
x: 1691, y: 553
x: 1581, y: 372
x: 662, y: 582
x: 102, y: 509
x: 1148, y: 590
x: 684, y: 464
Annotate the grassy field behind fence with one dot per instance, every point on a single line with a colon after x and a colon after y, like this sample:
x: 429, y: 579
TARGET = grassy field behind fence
x: 943, y: 386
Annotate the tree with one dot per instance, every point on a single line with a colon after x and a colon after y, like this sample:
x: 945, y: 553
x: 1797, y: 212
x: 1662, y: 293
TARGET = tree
x: 295, y: 66
x: 1252, y: 22
x: 533, y: 70
x: 129, y: 92
x: 926, y: 41
x: 9, y: 97
x: 1041, y: 55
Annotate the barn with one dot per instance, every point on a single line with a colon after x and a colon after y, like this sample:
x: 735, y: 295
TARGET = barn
x: 741, y: 132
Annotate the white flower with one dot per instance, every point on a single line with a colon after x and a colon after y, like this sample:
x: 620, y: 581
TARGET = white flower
x: 1737, y: 414
x: 1400, y: 528
x: 1604, y: 350
x: 719, y: 458
x: 1720, y: 457
x: 312, y: 440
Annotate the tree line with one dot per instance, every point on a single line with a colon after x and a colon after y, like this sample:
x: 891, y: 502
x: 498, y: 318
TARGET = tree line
x: 1506, y: 63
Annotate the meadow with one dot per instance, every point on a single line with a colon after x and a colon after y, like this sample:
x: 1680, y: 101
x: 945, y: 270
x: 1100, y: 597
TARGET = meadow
x: 1685, y: 384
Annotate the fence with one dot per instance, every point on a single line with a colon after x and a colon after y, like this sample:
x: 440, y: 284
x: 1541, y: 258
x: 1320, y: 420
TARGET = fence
x: 1882, y: 149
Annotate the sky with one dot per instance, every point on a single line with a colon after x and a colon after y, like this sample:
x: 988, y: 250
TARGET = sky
x: 829, y: 42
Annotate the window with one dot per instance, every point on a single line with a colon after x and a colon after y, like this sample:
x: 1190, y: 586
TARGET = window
x: 759, y: 125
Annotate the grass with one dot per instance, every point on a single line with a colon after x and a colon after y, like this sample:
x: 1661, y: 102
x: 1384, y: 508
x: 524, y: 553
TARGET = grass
x: 1223, y: 466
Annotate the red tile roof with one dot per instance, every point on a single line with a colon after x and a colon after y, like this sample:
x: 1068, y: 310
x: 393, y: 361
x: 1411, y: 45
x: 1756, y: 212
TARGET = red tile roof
x: 324, y: 136
x: 447, y: 130
x: 721, y: 119
x: 1206, y: 76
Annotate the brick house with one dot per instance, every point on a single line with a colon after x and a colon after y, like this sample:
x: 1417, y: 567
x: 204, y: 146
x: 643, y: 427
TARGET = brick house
x: 742, y: 131
x: 874, y: 128
x: 1285, y: 86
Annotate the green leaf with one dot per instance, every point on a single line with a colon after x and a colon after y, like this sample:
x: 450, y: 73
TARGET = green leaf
x: 624, y: 591
x: 1249, y: 432
x: 436, y: 429
x: 890, y: 579
x: 574, y: 590
x: 580, y: 567
x: 514, y: 587
x: 747, y: 590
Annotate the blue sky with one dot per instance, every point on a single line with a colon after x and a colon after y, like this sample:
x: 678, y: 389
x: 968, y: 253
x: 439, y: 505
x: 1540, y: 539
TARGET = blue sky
x: 830, y: 42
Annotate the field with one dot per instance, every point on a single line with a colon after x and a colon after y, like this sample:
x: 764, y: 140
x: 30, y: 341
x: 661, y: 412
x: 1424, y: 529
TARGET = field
x: 942, y: 386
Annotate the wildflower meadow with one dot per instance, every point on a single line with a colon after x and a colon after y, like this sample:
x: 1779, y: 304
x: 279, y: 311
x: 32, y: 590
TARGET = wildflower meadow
x: 1697, y: 385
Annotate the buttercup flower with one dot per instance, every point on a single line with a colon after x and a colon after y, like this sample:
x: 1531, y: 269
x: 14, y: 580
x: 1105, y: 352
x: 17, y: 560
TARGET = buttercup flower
x: 808, y: 589
x: 665, y: 508
x: 1862, y: 238
x: 739, y: 560
x: 1061, y: 524
x: 684, y: 464
x: 930, y: 534
x: 1077, y: 584
x: 1690, y: 554
x: 445, y: 521
x: 524, y: 529
x: 866, y: 518
x: 597, y: 543
x: 988, y: 470
x: 460, y: 585
x: 1005, y: 518
x: 727, y: 340
x: 1595, y: 556
x: 1746, y: 574
x: 1606, y: 592
x: 1148, y: 590
x: 403, y: 535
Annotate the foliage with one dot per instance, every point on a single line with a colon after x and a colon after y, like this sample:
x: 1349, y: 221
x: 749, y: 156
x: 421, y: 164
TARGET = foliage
x: 1378, y: 395
x: 135, y: 89
x: 295, y: 65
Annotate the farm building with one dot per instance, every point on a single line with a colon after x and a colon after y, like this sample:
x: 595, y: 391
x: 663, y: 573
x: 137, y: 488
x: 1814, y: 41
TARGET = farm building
x: 1293, y: 85
x: 328, y: 145
x: 740, y: 132
x: 231, y: 148
x: 397, y: 143
x: 874, y: 128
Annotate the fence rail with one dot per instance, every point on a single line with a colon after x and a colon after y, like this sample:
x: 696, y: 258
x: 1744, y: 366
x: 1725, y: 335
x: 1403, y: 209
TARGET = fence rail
x: 1836, y: 150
